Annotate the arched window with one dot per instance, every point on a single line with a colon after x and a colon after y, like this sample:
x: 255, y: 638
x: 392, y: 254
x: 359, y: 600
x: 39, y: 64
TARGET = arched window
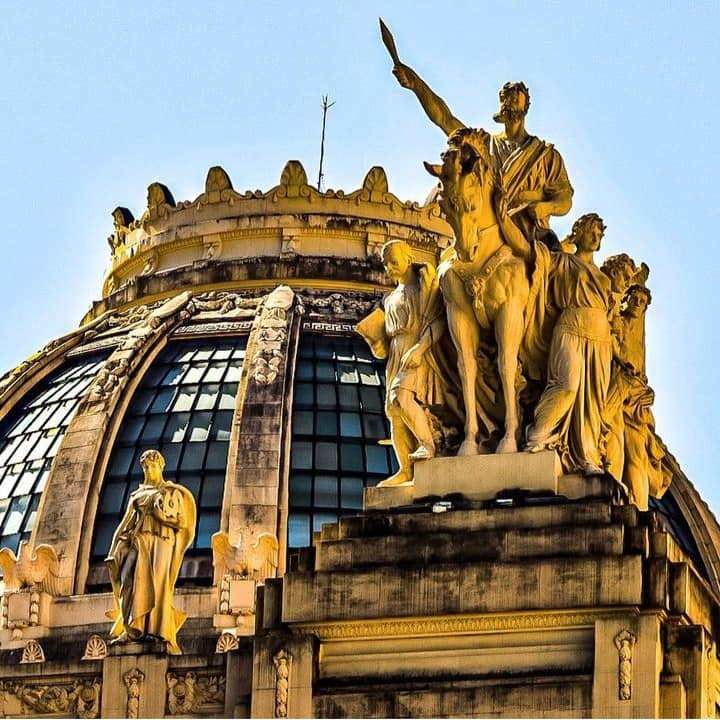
x: 29, y: 439
x: 183, y: 408
x: 338, y: 422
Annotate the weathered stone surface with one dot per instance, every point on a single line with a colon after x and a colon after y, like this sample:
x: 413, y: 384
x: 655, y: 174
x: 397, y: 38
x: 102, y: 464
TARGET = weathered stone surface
x: 458, y: 588
x: 492, y: 544
x: 414, y: 523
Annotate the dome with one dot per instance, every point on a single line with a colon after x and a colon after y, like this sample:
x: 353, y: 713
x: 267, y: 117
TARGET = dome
x: 225, y: 338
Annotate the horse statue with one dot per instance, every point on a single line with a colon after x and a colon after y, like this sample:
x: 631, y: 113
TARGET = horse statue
x: 484, y: 280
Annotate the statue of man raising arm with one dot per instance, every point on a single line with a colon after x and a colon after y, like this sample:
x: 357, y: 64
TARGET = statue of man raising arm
x: 532, y: 172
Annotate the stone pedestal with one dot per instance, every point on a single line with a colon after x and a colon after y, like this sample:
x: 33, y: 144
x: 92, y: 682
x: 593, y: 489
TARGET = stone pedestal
x: 552, y: 609
x: 134, y: 680
x: 481, y: 478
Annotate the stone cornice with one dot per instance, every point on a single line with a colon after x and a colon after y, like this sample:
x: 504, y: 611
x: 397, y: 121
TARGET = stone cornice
x: 457, y: 624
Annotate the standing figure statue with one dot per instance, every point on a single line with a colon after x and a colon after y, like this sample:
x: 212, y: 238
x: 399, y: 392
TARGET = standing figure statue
x: 532, y: 172
x: 407, y: 332
x: 634, y: 452
x: 145, y: 556
x: 569, y: 415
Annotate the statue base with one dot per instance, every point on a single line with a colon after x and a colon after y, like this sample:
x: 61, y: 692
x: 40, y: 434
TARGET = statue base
x: 481, y: 478
x: 144, y: 646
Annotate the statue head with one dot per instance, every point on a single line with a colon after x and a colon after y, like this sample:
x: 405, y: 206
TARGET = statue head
x: 636, y: 300
x: 587, y: 232
x: 621, y: 270
x: 153, y: 464
x: 397, y: 257
x: 514, y: 102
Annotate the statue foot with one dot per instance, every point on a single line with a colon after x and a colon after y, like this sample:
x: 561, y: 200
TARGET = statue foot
x: 534, y: 448
x: 399, y: 478
x: 468, y: 448
x: 590, y: 469
x: 507, y: 445
x: 424, y: 452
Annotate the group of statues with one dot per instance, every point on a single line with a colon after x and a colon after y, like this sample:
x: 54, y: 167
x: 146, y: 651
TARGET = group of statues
x: 516, y: 341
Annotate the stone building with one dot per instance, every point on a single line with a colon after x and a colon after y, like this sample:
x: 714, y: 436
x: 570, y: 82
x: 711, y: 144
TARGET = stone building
x: 224, y: 338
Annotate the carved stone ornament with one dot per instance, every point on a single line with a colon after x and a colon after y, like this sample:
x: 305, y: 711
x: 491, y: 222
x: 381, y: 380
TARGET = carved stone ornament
x: 95, y: 648
x: 271, y: 335
x: 227, y: 642
x: 189, y: 693
x: 133, y: 683
x: 32, y: 653
x: 351, y: 305
x: 149, y: 324
x: 293, y: 182
x: 282, y: 663
x: 80, y: 698
x: 625, y: 642
x: 257, y: 561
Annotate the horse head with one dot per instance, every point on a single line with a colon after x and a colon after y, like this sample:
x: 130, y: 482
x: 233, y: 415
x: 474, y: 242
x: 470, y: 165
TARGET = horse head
x: 467, y: 178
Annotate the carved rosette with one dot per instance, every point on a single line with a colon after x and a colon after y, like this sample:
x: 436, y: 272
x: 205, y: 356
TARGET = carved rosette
x: 625, y: 642
x: 283, y: 664
x: 133, y: 682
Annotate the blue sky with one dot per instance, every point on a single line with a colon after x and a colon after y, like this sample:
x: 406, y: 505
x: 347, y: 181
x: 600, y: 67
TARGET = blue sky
x: 101, y: 99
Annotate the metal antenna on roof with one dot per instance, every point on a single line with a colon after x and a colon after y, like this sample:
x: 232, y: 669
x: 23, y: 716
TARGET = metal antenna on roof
x: 325, y: 106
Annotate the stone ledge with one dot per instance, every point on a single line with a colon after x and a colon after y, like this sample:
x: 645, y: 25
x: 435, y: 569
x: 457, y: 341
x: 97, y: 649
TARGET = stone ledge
x: 483, y: 478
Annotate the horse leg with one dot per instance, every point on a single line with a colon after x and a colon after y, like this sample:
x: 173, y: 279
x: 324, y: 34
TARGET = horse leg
x: 509, y: 327
x: 465, y: 335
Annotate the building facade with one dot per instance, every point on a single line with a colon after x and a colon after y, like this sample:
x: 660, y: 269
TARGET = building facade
x: 225, y: 339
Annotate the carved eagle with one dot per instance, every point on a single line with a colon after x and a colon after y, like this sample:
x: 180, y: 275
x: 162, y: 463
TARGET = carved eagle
x: 38, y: 568
x: 259, y: 560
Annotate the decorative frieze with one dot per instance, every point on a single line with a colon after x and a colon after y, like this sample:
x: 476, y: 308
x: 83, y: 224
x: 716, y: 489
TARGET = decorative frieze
x: 195, y: 693
x: 79, y: 698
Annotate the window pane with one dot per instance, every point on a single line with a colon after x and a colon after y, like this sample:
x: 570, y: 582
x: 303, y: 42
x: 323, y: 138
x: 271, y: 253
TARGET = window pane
x: 298, y: 530
x: 350, y: 425
x: 302, y: 422
x: 326, y: 492
x: 212, y: 491
x: 326, y: 423
x: 376, y: 459
x: 351, y: 493
x: 326, y: 456
x: 301, y: 455
x: 300, y: 490
x: 208, y: 525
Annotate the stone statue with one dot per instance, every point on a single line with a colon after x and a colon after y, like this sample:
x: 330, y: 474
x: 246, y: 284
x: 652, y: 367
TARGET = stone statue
x: 407, y: 333
x: 634, y: 452
x: 145, y: 556
x: 568, y: 416
x: 485, y: 286
x: 532, y: 173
